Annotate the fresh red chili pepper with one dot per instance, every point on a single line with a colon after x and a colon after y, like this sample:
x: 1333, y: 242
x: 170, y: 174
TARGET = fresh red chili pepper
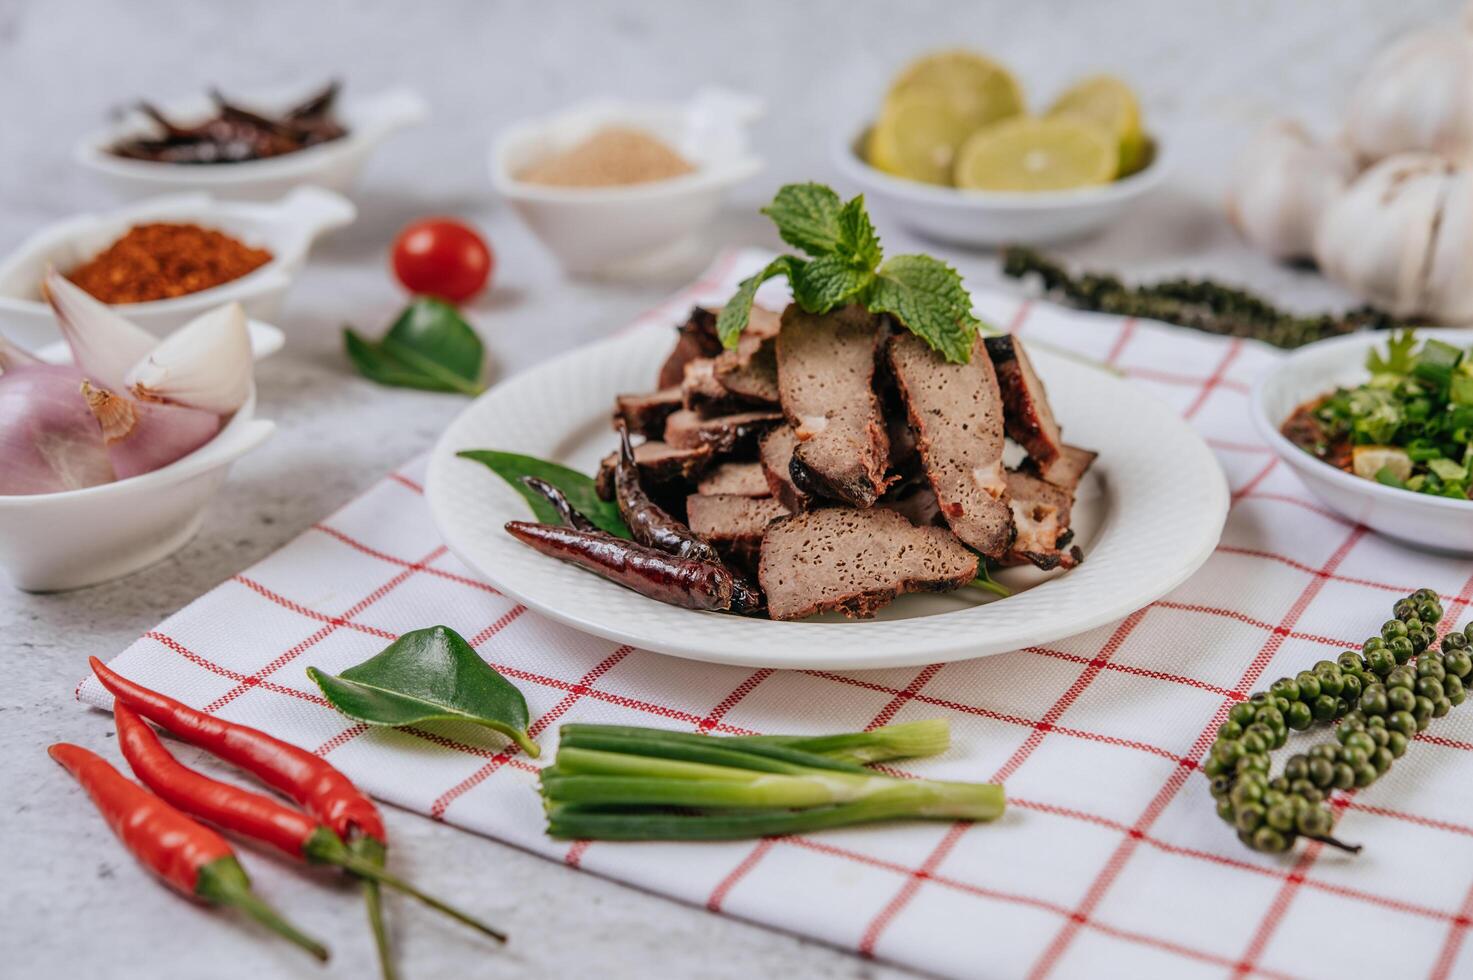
x: 252, y: 814
x: 322, y: 791
x: 188, y: 856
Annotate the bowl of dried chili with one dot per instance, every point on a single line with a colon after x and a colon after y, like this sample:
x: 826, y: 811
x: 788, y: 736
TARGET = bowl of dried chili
x: 231, y: 166
x: 163, y: 261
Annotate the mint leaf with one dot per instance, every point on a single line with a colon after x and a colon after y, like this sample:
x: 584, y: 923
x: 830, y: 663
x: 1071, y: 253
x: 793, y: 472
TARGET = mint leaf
x: 857, y: 238
x: 807, y: 217
x: 825, y: 283
x: 927, y: 297
x: 732, y: 319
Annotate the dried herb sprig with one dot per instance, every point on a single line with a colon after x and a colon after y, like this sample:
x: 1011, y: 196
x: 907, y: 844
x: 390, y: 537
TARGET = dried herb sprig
x: 1200, y: 304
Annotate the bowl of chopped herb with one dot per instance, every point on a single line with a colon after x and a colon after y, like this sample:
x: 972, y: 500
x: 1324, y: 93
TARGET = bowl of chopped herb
x: 1380, y: 427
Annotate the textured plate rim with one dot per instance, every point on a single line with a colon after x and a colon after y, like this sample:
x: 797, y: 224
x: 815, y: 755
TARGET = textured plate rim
x: 715, y: 638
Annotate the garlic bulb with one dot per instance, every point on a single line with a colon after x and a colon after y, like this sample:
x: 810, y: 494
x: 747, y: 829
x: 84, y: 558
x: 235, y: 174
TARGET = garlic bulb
x: 1418, y: 95
x: 49, y: 442
x: 142, y: 436
x: 1281, y: 185
x: 104, y: 345
x: 204, y: 364
x: 1401, y: 238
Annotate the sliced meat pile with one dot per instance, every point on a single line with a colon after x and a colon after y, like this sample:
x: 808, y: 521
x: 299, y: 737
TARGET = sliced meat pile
x: 844, y: 462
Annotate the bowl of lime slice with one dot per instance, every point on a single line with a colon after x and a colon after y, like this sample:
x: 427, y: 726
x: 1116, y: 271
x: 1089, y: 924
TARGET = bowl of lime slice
x: 954, y: 155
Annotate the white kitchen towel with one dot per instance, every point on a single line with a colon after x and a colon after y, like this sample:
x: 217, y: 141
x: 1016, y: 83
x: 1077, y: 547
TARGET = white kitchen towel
x: 1110, y: 860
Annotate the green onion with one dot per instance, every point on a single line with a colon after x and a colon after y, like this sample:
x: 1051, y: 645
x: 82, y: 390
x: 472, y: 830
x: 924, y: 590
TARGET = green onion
x: 621, y: 783
x: 576, y: 822
x: 907, y: 740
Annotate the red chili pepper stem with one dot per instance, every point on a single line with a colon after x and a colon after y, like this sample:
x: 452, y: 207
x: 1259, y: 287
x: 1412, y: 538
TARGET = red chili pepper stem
x: 224, y: 882
x: 374, y: 853
x: 325, y: 847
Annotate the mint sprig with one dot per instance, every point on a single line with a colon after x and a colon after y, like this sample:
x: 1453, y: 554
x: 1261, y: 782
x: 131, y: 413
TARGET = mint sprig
x: 847, y: 265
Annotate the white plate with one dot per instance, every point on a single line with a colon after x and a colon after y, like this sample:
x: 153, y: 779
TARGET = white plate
x: 1150, y: 513
x: 1421, y: 520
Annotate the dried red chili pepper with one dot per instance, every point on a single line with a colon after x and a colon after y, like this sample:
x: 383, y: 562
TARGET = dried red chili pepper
x: 647, y: 520
x: 666, y: 578
x: 188, y: 856
x: 251, y: 814
x: 320, y: 789
x: 560, y: 503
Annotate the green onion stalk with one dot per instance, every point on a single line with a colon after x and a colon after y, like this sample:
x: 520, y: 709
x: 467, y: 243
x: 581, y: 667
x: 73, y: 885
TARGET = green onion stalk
x: 622, y: 783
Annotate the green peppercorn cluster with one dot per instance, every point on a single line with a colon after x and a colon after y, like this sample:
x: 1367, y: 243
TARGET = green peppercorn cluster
x: 1381, y: 697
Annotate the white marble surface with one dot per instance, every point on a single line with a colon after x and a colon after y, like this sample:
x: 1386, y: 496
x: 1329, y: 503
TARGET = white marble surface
x: 72, y: 903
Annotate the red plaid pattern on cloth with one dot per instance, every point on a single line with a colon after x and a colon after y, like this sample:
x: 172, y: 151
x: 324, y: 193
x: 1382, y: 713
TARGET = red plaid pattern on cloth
x: 1110, y: 860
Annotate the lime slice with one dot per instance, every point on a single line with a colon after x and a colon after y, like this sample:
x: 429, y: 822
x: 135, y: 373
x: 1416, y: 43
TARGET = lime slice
x: 1109, y: 103
x: 1037, y: 155
x: 917, y: 137
x: 980, y: 90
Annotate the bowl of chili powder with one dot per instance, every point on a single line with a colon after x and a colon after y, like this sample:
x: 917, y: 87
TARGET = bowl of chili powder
x: 163, y: 261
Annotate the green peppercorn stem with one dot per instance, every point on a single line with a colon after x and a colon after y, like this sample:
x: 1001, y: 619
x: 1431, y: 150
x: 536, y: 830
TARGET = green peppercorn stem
x: 1378, y: 700
x: 1197, y: 304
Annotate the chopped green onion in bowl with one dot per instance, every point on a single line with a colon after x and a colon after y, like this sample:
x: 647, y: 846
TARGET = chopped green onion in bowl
x: 1410, y: 426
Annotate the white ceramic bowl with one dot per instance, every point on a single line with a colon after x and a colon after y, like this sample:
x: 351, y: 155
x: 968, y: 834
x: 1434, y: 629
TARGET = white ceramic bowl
x: 333, y: 165
x: 1435, y: 523
x: 640, y: 228
x: 287, y: 228
x: 992, y: 218
x: 51, y: 542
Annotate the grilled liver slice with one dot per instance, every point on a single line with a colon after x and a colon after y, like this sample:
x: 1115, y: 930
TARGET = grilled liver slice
x: 733, y: 524
x: 956, y: 411
x: 645, y: 415
x: 749, y: 372
x: 659, y: 465
x: 697, y: 338
x: 724, y: 434
x: 741, y: 479
x: 826, y: 370
x: 1041, y: 514
x: 1029, y: 419
x: 775, y: 452
x: 1067, y: 470
x: 855, y: 561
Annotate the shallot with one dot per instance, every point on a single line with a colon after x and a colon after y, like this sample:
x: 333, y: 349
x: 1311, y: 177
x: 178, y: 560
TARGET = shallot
x: 104, y: 345
x: 49, y: 442
x: 142, y: 436
x: 204, y: 364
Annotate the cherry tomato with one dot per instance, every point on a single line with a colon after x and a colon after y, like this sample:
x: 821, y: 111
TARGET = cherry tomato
x: 442, y: 257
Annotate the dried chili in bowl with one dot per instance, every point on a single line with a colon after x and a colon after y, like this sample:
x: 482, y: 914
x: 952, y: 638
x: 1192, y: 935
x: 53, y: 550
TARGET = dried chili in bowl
x: 162, y: 260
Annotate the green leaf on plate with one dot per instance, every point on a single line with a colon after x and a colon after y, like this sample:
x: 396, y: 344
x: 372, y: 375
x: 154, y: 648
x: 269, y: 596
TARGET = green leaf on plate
x: 579, y: 489
x: 428, y: 675
x: 429, y: 347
